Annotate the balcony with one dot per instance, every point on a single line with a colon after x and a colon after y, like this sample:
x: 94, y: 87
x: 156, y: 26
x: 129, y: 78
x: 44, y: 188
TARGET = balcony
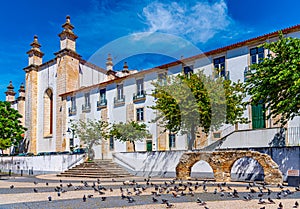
x: 72, y: 111
x: 118, y: 101
x: 86, y: 107
x: 101, y: 104
x: 140, y: 96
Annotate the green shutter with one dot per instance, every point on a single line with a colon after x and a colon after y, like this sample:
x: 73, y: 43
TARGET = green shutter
x: 258, y: 116
x: 149, y: 146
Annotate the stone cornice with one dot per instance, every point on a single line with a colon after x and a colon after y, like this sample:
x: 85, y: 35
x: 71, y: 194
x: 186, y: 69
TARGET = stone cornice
x: 20, y: 98
x: 68, y: 34
x: 35, y: 52
x: 69, y: 52
x: 31, y: 68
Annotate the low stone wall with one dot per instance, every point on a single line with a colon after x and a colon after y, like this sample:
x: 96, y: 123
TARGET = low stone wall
x: 39, y: 164
x: 164, y: 163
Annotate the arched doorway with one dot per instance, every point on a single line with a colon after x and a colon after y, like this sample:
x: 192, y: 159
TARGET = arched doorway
x: 202, y: 169
x: 246, y: 169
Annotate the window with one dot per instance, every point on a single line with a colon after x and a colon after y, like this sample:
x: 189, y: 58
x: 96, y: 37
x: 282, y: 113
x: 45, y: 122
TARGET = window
x: 257, y: 55
x: 162, y: 78
x: 48, y: 112
x: 120, y: 92
x: 219, y: 67
x: 172, y: 138
x: 111, y: 143
x: 140, y: 114
x: 87, y: 104
x: 73, y: 103
x: 102, y: 99
x: 140, y: 87
x: 188, y: 70
x: 102, y: 95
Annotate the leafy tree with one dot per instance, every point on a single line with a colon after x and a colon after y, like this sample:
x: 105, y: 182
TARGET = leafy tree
x: 91, y: 132
x: 276, y: 80
x: 187, y: 102
x: 130, y: 131
x: 11, y: 130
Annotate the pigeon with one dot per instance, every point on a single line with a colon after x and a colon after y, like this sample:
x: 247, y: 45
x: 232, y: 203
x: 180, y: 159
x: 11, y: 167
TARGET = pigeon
x: 130, y: 200
x: 169, y: 205
x: 280, y: 206
x: 215, y: 191
x: 60, y: 180
x: 35, y: 183
x: 35, y: 190
x: 201, y: 202
x: 49, y: 198
x: 296, y: 205
x: 90, y: 196
x: 47, y: 184
x: 84, y: 198
x: 69, y: 185
x: 164, y: 201
x: 263, y: 207
x: 111, y: 190
x: 58, y: 194
x: 297, y: 188
x: 154, y: 199
x: 12, y: 186
x: 261, y: 201
x: 103, y: 198
x: 271, y: 201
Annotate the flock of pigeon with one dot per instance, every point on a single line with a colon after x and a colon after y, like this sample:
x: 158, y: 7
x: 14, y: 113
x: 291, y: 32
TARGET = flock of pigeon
x: 176, y: 189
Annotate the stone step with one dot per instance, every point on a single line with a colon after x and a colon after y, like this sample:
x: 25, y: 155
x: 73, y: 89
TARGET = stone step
x: 96, y: 169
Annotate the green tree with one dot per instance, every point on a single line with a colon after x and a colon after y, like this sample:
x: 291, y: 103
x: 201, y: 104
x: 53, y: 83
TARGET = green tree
x: 91, y: 132
x: 130, y: 131
x: 189, y: 102
x: 11, y: 130
x: 276, y: 80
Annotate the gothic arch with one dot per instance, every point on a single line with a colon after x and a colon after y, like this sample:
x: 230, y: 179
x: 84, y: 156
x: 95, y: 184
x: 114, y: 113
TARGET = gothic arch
x: 48, y: 112
x: 222, y: 162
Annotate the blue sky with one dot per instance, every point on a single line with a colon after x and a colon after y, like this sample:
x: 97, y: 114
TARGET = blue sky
x: 202, y: 24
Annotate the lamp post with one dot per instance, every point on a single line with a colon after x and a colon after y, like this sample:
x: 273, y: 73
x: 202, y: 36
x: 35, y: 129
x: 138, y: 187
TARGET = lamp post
x: 71, y: 139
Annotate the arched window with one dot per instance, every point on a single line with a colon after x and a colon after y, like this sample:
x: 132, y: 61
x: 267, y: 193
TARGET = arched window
x: 48, y: 112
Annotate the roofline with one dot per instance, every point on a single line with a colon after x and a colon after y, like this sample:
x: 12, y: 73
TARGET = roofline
x: 189, y: 59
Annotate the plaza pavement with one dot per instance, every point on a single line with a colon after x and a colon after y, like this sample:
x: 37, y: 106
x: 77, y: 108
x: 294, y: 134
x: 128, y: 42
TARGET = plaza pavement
x: 22, y: 195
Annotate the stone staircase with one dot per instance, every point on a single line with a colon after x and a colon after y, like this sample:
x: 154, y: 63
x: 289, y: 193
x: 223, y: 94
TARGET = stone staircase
x: 96, y: 169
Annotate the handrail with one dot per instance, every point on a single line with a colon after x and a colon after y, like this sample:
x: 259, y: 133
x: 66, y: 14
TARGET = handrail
x: 132, y: 168
x: 76, y: 161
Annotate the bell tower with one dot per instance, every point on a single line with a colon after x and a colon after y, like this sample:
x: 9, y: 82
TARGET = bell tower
x: 31, y: 78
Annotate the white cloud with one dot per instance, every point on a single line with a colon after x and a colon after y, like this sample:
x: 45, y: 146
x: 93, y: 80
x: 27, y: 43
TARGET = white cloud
x: 198, y: 22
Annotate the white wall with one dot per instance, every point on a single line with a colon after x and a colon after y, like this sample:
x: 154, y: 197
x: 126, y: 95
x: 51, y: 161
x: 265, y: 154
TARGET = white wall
x: 40, y: 164
x: 46, y: 79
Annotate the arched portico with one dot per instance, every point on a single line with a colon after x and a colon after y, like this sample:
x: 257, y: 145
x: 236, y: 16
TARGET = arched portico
x: 222, y: 162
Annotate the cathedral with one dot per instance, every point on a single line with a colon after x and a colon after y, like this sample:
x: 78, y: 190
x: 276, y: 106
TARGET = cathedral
x: 68, y: 88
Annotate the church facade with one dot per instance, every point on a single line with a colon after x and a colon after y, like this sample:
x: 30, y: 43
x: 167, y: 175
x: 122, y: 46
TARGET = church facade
x: 68, y: 88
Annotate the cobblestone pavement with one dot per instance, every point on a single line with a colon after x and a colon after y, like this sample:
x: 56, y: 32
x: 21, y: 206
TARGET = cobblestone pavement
x: 33, y: 192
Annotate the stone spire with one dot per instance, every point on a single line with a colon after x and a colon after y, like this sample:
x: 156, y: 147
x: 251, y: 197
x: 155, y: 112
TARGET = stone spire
x: 125, y: 68
x: 34, y: 54
x: 109, y: 63
x: 21, y: 92
x: 10, y: 93
x: 67, y: 36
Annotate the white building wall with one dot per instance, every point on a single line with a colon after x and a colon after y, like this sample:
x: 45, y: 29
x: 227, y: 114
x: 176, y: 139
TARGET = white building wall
x: 46, y: 79
x: 236, y: 61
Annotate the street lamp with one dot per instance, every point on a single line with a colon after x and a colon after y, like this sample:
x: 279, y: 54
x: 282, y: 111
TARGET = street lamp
x: 71, y: 139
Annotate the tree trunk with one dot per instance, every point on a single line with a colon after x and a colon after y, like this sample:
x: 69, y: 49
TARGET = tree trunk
x: 133, y: 146
x: 192, y: 138
x: 90, y: 151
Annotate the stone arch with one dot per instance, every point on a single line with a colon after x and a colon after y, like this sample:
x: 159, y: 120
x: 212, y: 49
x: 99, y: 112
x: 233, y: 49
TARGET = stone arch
x: 202, y: 169
x: 247, y: 169
x: 48, y: 112
x: 222, y: 162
